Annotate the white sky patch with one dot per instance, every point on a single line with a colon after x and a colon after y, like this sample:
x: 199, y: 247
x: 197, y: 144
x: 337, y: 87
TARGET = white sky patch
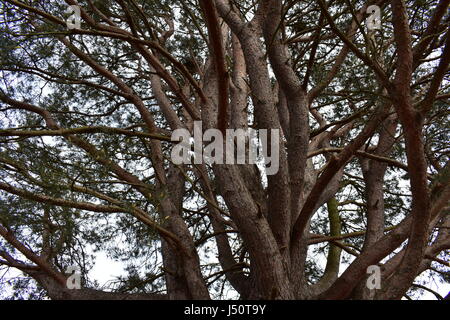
x: 105, y: 269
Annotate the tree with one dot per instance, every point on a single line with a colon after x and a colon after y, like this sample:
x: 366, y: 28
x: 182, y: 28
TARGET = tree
x: 87, y: 116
